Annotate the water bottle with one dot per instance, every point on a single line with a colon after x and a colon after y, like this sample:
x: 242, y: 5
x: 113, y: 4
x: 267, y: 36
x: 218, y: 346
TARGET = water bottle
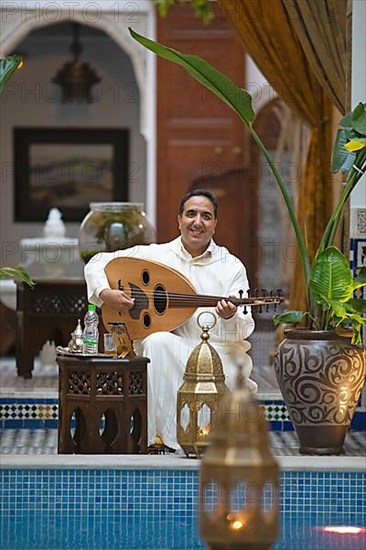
x: 91, y: 333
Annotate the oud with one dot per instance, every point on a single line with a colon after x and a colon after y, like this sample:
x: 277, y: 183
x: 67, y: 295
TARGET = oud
x: 164, y: 298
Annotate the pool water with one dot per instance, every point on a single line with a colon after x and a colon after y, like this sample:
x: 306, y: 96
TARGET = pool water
x: 87, y: 531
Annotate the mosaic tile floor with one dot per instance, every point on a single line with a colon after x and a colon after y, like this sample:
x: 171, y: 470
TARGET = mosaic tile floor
x: 44, y: 441
x: 44, y: 384
x: 45, y: 379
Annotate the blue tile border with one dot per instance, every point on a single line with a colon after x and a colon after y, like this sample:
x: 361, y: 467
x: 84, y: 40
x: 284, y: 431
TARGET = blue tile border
x: 41, y: 413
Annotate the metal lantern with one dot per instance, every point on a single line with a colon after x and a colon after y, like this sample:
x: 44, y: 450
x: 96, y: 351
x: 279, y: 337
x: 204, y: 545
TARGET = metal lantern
x: 200, y: 394
x: 75, y: 78
x: 239, y: 478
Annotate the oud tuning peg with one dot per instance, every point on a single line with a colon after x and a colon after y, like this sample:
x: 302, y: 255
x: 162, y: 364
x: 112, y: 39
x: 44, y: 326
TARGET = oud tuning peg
x: 241, y: 292
x: 279, y: 291
x: 249, y: 293
x: 256, y: 292
x: 263, y: 296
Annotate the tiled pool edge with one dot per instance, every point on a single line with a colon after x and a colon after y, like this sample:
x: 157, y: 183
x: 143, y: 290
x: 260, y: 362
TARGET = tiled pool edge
x: 162, y: 492
x: 165, y: 462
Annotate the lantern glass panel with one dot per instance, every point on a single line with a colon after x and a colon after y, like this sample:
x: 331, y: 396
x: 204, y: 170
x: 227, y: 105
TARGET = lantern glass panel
x: 204, y: 419
x: 101, y: 425
x: 184, y: 419
x: 238, y: 497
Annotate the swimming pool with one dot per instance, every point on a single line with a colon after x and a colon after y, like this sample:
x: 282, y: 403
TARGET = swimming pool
x: 109, y: 532
x: 134, y: 506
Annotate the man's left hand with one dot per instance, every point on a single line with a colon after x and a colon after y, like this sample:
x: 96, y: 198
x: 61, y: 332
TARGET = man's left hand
x: 225, y: 309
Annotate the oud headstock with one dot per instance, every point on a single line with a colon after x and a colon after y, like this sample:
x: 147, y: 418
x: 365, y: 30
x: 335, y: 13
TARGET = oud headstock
x: 261, y: 298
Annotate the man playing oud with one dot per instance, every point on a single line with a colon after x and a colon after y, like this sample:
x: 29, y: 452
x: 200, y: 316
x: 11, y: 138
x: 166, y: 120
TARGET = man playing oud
x: 212, y: 270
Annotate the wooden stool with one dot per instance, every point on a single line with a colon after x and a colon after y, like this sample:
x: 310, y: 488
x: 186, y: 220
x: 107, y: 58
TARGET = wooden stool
x: 102, y: 405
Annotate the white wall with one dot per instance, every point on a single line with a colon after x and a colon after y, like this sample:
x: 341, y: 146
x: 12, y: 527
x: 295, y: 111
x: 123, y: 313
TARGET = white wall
x: 257, y: 85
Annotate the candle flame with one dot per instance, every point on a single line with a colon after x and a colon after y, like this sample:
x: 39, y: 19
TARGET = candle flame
x: 205, y: 430
x: 235, y: 524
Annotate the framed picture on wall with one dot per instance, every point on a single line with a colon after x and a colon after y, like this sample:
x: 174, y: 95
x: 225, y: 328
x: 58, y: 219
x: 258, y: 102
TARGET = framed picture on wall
x: 68, y: 168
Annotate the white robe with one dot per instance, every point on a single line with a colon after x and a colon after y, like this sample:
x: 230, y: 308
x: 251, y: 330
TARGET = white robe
x: 216, y: 272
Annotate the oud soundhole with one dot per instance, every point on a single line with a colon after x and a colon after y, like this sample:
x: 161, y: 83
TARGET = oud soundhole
x: 147, y: 320
x: 160, y: 299
x: 145, y: 277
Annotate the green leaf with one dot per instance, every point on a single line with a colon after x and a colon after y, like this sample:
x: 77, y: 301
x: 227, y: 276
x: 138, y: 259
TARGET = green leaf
x: 16, y: 273
x: 339, y: 309
x: 358, y: 284
x: 203, y: 8
x: 163, y: 6
x: 342, y: 160
x: 218, y: 83
x: 361, y: 277
x: 358, y: 118
x: 346, y: 121
x: 330, y: 278
x: 8, y: 65
x: 290, y: 317
x: 356, y: 304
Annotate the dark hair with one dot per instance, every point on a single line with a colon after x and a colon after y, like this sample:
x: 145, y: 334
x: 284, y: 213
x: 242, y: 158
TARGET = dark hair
x: 199, y: 193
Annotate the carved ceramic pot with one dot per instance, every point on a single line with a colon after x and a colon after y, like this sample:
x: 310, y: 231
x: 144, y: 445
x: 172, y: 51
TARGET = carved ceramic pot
x: 321, y: 376
x: 111, y: 226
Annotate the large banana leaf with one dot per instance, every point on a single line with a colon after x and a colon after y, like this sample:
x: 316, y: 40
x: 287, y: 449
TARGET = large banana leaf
x: 331, y: 278
x: 342, y: 159
x: 218, y: 83
x: 7, y: 66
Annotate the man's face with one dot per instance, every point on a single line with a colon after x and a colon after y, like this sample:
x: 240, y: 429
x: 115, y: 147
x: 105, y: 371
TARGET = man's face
x: 197, y: 224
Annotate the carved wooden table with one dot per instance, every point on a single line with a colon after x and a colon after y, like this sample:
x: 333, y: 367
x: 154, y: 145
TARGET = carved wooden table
x: 102, y: 405
x: 49, y: 311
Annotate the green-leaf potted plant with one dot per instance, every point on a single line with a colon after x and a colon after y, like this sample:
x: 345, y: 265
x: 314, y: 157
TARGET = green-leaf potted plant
x: 329, y: 284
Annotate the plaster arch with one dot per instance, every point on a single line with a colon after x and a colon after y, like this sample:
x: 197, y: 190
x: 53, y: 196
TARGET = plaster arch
x: 17, y: 22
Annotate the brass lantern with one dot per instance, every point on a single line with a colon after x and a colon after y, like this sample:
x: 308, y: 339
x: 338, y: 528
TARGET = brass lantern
x: 199, y: 396
x: 75, y: 78
x: 239, y: 478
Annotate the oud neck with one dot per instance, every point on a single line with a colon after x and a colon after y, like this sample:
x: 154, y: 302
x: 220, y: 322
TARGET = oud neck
x: 202, y: 300
x: 198, y: 300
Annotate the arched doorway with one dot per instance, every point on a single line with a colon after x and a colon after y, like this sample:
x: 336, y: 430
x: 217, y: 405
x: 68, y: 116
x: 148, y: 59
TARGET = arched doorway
x: 127, y: 95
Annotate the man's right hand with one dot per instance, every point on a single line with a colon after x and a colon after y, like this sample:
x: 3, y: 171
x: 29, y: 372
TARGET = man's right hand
x: 117, y: 299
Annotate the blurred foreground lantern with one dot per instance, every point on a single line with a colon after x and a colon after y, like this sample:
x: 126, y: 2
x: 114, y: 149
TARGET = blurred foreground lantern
x: 239, y: 478
x: 200, y: 394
